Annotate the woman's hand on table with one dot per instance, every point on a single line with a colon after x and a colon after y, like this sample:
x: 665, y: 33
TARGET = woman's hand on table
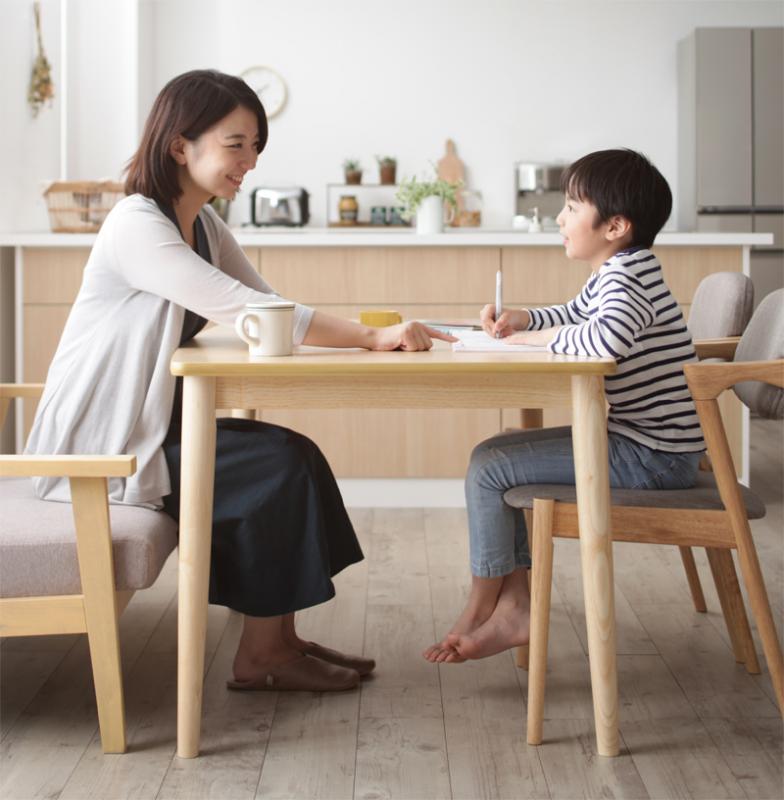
x: 407, y: 336
x: 510, y: 321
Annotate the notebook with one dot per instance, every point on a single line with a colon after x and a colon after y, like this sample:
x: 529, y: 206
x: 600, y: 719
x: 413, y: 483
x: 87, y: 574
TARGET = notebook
x: 480, y: 342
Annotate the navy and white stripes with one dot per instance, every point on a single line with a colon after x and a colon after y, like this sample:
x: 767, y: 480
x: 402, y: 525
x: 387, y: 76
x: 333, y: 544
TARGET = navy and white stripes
x: 626, y: 312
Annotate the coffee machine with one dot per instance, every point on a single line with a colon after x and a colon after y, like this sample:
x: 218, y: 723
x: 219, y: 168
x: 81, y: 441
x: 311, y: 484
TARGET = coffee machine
x: 538, y: 186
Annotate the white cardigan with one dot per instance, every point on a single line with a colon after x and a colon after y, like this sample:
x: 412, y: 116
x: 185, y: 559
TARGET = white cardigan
x: 109, y: 389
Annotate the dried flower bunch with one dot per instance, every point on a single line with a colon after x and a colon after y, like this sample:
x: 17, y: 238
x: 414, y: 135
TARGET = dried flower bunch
x: 41, y: 87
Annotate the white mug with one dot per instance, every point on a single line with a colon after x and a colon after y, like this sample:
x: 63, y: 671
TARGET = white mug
x: 430, y: 215
x: 268, y: 328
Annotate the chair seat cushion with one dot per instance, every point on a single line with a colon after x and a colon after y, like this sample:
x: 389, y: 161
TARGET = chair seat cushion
x: 38, y: 544
x: 704, y: 496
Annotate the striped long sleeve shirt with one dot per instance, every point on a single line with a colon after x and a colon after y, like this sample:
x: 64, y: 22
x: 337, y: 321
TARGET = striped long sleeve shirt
x: 625, y: 311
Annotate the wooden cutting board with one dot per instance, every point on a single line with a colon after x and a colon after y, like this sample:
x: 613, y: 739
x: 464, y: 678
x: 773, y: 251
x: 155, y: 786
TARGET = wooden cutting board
x: 450, y: 167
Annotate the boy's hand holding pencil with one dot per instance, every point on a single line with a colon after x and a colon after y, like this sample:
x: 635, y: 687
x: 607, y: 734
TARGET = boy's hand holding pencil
x: 509, y: 321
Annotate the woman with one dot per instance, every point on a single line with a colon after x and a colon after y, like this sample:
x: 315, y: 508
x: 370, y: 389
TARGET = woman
x: 162, y: 265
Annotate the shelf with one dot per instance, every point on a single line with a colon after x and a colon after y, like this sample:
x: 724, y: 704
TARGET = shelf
x: 350, y: 225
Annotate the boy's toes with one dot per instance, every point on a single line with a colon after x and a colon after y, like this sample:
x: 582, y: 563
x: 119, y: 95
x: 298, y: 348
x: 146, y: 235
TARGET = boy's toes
x: 431, y: 653
x: 453, y: 657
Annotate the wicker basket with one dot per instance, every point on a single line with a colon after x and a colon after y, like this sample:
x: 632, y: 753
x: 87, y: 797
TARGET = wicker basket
x: 81, y: 206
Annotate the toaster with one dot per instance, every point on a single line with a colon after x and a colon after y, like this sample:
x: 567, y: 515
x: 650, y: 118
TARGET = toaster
x: 270, y: 206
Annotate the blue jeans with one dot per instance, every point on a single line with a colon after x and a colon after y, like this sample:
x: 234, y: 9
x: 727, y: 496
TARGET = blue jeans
x: 497, y: 532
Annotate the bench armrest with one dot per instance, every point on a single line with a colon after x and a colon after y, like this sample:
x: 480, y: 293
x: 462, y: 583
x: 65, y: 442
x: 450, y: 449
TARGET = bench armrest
x: 21, y: 389
x: 68, y: 466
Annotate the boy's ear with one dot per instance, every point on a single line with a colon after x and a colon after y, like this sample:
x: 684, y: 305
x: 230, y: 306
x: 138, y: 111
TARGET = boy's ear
x: 617, y: 228
x: 177, y: 150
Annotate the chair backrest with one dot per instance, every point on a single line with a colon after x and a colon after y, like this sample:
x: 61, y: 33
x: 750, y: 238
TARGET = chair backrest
x: 763, y: 340
x: 722, y: 306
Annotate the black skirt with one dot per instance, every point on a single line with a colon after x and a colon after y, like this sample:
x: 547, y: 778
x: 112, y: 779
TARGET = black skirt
x: 280, y: 530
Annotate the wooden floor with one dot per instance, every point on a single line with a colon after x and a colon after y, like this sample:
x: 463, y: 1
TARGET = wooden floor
x: 693, y: 723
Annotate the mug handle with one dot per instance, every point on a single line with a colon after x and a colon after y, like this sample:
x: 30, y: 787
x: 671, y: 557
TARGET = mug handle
x: 242, y: 331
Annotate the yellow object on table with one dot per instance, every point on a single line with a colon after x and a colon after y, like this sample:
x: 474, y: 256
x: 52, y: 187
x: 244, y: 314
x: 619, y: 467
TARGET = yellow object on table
x: 380, y: 319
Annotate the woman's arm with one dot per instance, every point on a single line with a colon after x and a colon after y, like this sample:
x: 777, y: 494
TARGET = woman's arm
x: 328, y: 331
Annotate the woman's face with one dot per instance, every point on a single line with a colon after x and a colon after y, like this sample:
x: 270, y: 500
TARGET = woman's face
x: 216, y: 162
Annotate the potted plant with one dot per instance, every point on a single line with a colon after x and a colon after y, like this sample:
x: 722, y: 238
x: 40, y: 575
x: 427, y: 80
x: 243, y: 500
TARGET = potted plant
x: 387, y: 166
x: 425, y: 200
x: 352, y: 169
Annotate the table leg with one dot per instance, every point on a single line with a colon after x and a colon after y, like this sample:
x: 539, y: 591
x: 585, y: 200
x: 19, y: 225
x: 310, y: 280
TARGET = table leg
x: 196, y: 490
x: 593, y: 507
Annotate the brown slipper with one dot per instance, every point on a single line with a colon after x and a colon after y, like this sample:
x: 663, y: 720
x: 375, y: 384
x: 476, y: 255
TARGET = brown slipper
x: 302, y: 674
x: 364, y: 666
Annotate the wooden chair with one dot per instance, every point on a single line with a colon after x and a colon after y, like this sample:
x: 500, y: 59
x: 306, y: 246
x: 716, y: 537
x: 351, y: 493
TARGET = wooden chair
x: 72, y: 568
x: 720, y: 310
x: 715, y: 514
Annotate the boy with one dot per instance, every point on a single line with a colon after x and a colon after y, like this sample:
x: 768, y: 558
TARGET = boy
x: 616, y: 202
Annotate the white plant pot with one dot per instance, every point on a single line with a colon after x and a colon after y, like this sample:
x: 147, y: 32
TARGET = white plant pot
x: 430, y: 215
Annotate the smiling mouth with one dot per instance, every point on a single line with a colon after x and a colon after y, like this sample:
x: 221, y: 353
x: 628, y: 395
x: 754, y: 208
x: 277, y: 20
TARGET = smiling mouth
x: 236, y: 179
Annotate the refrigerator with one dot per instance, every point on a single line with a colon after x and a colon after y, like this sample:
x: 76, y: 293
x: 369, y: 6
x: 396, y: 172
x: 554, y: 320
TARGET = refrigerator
x: 731, y: 140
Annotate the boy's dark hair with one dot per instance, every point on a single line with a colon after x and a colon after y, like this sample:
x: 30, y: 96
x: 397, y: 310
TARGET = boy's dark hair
x: 622, y: 183
x: 187, y: 106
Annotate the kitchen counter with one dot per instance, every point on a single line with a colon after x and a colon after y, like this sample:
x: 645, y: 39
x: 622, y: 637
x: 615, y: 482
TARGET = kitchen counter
x: 403, y: 237
x: 343, y: 272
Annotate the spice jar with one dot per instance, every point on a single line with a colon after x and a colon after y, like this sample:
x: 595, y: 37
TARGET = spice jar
x: 348, y: 209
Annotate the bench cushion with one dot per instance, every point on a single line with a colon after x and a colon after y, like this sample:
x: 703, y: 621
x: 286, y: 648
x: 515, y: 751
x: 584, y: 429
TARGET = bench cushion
x: 38, y: 544
x: 704, y: 496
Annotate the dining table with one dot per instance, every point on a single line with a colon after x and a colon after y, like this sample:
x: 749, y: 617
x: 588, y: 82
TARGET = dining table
x: 219, y: 373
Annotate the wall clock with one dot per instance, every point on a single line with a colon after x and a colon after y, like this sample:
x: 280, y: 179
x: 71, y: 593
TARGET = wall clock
x: 269, y: 86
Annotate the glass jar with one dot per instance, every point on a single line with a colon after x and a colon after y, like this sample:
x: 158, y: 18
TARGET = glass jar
x: 378, y: 215
x: 348, y: 209
x: 469, y: 209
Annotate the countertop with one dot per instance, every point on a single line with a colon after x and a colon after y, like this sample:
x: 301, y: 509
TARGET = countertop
x: 404, y: 237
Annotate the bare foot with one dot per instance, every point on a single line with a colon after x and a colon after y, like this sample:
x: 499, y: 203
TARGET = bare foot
x: 471, y: 619
x: 509, y: 626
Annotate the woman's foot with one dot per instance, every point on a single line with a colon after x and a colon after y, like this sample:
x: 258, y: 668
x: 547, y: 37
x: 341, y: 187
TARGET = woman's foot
x: 301, y: 674
x: 364, y: 666
x: 248, y: 665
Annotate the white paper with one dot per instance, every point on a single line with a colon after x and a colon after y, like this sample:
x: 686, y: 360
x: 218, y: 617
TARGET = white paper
x: 480, y: 342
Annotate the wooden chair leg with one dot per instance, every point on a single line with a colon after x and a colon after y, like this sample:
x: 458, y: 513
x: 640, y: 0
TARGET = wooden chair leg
x: 541, y: 586
x: 531, y: 418
x: 693, y: 577
x: 243, y: 413
x: 96, y: 569
x: 521, y: 652
x: 732, y: 606
x: 724, y: 470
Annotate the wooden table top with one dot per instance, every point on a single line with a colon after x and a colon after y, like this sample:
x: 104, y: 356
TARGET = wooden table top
x: 219, y: 352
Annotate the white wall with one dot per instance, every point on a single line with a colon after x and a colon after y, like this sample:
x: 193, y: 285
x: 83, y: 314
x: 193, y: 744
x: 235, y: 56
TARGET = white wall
x: 103, y: 106
x: 506, y: 79
x: 29, y: 149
